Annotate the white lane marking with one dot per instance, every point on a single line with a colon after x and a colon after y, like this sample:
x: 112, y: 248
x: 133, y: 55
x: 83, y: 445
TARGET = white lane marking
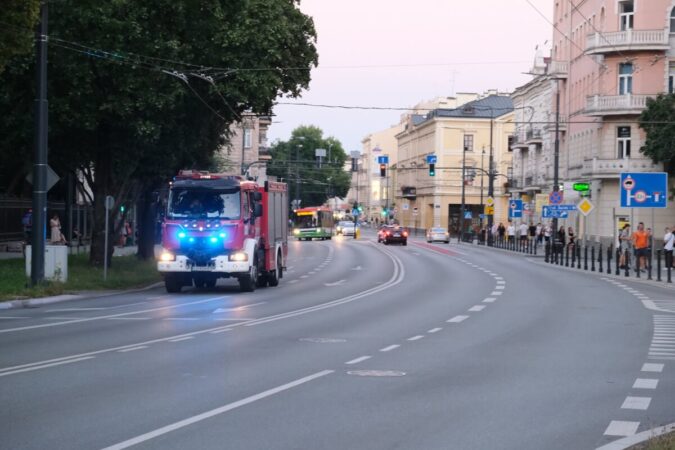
x: 214, y: 412
x: 237, y: 308
x: 645, y: 383
x: 641, y: 403
x: 630, y: 440
x: 499, y: 278
x: 74, y: 309
x: 489, y: 300
x: 129, y: 318
x: 219, y: 331
x: 457, y: 319
x: 496, y: 293
x: 337, y: 283
x: 477, y: 308
x: 44, y: 366
x: 136, y: 303
x: 181, y: 318
x: 501, y: 282
x: 61, y: 318
x: 233, y: 319
x: 90, y: 319
x: 12, y: 317
x: 416, y: 338
x: 181, y: 339
x: 650, y: 367
x: 389, y: 348
x: 358, y: 360
x: 139, y: 347
x: 621, y: 428
x: 435, y: 330
x: 500, y: 287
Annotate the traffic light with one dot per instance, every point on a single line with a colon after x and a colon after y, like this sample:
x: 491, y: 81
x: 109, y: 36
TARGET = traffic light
x: 432, y: 170
x: 122, y: 209
x: 383, y: 170
x: 384, y: 212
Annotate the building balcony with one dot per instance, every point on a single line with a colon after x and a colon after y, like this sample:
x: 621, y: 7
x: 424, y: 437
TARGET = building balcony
x: 625, y: 41
x: 518, y: 140
x: 611, y: 168
x: 533, y: 136
x: 558, y: 69
x: 550, y: 122
x: 611, y: 105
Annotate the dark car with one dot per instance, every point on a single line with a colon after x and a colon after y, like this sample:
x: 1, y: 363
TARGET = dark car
x: 395, y: 234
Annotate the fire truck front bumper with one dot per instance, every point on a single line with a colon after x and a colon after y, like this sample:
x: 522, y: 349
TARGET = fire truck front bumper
x: 219, y: 264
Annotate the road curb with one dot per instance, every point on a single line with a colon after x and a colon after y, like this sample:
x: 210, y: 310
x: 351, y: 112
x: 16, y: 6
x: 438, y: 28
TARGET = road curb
x: 639, y: 438
x: 35, y: 302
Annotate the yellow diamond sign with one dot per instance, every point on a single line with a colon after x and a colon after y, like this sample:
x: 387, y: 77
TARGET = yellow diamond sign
x: 585, y: 206
x: 490, y: 201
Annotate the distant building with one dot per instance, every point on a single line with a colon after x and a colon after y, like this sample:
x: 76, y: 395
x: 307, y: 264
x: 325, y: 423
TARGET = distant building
x: 247, y: 145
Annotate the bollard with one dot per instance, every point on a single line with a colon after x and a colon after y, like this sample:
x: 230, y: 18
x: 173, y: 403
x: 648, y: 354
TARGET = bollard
x: 627, y: 266
x: 649, y: 267
x: 658, y: 265
x: 578, y: 257
x: 609, y: 260
x: 546, y: 250
x: 593, y: 259
x: 535, y: 248
x: 567, y: 256
x: 637, y: 267
x: 600, y: 259
x: 574, y: 257
x: 616, y: 261
x: 585, y: 258
x: 668, y: 273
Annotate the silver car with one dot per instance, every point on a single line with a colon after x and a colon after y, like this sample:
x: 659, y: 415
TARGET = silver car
x: 345, y: 228
x: 438, y: 235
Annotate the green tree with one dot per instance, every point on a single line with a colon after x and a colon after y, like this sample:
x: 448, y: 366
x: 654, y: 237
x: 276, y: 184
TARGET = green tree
x: 129, y: 122
x: 294, y: 160
x: 658, y: 121
x: 18, y: 19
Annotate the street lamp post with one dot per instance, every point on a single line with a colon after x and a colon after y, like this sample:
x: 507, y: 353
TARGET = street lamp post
x: 482, y: 208
x: 297, y: 171
x: 461, y: 212
x: 491, y: 180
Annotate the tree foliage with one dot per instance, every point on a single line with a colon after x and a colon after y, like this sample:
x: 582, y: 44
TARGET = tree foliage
x: 658, y: 121
x: 295, y: 159
x: 138, y: 90
x: 17, y: 23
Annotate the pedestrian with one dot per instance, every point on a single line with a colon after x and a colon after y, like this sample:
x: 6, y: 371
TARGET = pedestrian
x: 668, y: 244
x: 560, y: 238
x: 532, y: 231
x: 640, y: 240
x: 539, y: 232
x: 511, y: 232
x: 27, y: 223
x: 624, y: 245
x: 523, y: 231
x: 501, y: 229
x: 548, y: 231
x: 571, y: 238
x: 55, y: 227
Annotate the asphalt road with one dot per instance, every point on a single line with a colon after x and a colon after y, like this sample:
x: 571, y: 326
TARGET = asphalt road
x: 361, y: 346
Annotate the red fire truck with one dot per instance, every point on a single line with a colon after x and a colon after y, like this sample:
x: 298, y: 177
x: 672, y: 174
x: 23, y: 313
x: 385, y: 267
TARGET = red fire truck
x: 221, y: 226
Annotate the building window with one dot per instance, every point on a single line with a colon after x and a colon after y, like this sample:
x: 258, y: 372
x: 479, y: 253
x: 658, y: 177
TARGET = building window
x: 671, y: 78
x: 247, y: 137
x: 623, y: 142
x: 625, y: 78
x: 672, y: 21
x: 626, y: 16
x: 512, y: 142
x: 468, y: 142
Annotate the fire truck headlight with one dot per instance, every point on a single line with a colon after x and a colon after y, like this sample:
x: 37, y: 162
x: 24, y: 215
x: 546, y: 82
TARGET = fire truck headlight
x: 238, y: 257
x: 166, y: 256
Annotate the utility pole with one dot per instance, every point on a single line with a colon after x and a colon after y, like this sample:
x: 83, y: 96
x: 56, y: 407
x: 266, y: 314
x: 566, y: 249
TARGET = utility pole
x: 491, y: 180
x: 461, y: 212
x: 482, y: 208
x: 556, y: 154
x: 39, y: 217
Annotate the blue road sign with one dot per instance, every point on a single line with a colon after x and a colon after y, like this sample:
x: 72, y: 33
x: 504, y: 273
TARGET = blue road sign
x: 383, y: 159
x: 468, y: 215
x: 562, y: 207
x: 516, y: 209
x: 431, y: 159
x: 355, y: 212
x: 643, y: 190
x: 547, y: 212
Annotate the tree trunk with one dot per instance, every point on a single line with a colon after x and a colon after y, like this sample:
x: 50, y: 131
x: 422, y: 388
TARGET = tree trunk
x: 147, y: 212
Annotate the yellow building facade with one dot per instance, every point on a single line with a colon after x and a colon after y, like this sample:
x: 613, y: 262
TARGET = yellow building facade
x: 457, y: 137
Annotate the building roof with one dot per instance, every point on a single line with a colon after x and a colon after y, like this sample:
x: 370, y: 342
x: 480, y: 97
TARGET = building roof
x: 492, y: 106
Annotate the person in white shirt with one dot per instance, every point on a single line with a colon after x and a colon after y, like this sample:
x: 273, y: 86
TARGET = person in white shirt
x: 523, y: 231
x: 668, y: 244
x: 511, y: 232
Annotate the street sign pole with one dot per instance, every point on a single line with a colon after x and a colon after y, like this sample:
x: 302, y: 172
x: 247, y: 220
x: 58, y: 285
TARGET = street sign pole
x: 109, y: 203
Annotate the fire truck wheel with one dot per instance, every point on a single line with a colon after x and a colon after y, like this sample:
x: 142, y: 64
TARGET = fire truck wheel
x: 273, y: 277
x: 248, y: 283
x: 172, y: 284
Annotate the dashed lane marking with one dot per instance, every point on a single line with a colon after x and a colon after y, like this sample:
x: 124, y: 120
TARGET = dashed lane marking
x: 477, y: 308
x: 621, y: 428
x: 489, y: 300
x: 651, y: 367
x: 435, y: 330
x: 358, y: 360
x: 132, y: 349
x: 390, y: 348
x: 44, y: 366
x: 416, y: 338
x: 457, y: 319
x: 496, y: 293
x: 645, y: 383
x: 641, y: 403
x: 186, y: 338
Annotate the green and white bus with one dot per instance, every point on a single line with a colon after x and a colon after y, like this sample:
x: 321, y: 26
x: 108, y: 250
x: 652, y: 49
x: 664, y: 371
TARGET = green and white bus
x: 313, y: 222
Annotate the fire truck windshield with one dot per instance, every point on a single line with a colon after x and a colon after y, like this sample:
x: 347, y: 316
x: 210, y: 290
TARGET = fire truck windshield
x: 203, y: 204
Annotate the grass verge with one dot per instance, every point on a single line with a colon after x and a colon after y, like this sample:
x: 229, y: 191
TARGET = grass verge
x: 665, y: 442
x: 125, y: 272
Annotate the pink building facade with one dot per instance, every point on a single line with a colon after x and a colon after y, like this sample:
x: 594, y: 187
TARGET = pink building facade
x: 609, y: 57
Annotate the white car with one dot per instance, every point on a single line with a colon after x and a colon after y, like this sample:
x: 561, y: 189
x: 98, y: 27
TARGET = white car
x: 345, y: 228
x: 438, y: 234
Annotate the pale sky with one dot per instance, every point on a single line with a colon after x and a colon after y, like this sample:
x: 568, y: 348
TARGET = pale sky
x: 396, y: 53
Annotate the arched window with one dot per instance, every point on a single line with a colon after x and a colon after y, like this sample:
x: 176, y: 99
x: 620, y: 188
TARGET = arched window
x: 672, y: 21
